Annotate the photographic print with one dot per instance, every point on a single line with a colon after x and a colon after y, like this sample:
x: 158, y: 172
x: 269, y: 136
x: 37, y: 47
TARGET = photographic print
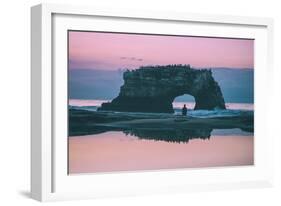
x: 140, y: 102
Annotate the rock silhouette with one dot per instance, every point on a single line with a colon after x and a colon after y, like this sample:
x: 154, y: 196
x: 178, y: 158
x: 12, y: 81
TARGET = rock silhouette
x: 154, y: 88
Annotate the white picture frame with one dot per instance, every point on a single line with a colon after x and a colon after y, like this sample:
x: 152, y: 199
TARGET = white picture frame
x: 49, y: 179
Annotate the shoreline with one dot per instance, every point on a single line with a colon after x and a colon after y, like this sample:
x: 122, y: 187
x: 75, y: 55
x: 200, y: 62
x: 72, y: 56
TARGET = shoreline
x: 82, y: 122
x: 176, y: 104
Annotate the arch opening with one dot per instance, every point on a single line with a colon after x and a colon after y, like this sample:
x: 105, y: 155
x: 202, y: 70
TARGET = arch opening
x: 182, y: 100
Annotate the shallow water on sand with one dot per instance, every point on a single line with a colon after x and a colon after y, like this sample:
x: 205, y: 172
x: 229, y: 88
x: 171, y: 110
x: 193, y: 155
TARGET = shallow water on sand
x: 120, y: 151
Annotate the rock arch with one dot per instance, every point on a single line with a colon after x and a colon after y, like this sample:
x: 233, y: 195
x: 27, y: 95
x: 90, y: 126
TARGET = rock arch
x: 153, y: 89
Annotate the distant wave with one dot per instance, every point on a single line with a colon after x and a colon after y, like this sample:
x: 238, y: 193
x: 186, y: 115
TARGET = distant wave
x: 230, y: 106
x: 215, y: 113
x: 87, y: 108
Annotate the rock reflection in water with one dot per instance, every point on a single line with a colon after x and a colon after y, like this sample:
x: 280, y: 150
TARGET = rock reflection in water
x: 169, y: 135
x: 116, y: 151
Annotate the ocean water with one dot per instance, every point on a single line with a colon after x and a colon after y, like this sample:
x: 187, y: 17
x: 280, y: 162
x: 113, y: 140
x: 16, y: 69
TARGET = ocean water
x: 116, y: 151
x: 140, y: 150
x: 232, y: 109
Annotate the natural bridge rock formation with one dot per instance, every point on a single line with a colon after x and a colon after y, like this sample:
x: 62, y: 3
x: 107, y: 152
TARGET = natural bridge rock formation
x: 153, y: 89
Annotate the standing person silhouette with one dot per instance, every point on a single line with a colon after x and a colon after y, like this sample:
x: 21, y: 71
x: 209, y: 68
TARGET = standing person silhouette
x: 184, y: 110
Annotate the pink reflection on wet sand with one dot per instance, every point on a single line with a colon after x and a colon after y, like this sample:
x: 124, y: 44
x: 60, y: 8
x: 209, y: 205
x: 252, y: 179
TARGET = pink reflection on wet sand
x: 114, y: 151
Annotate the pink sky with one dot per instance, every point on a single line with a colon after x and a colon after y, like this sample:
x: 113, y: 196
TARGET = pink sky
x: 111, y: 51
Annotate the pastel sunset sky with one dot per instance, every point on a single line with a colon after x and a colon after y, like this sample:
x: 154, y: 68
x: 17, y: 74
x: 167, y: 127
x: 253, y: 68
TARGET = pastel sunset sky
x: 112, y: 51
